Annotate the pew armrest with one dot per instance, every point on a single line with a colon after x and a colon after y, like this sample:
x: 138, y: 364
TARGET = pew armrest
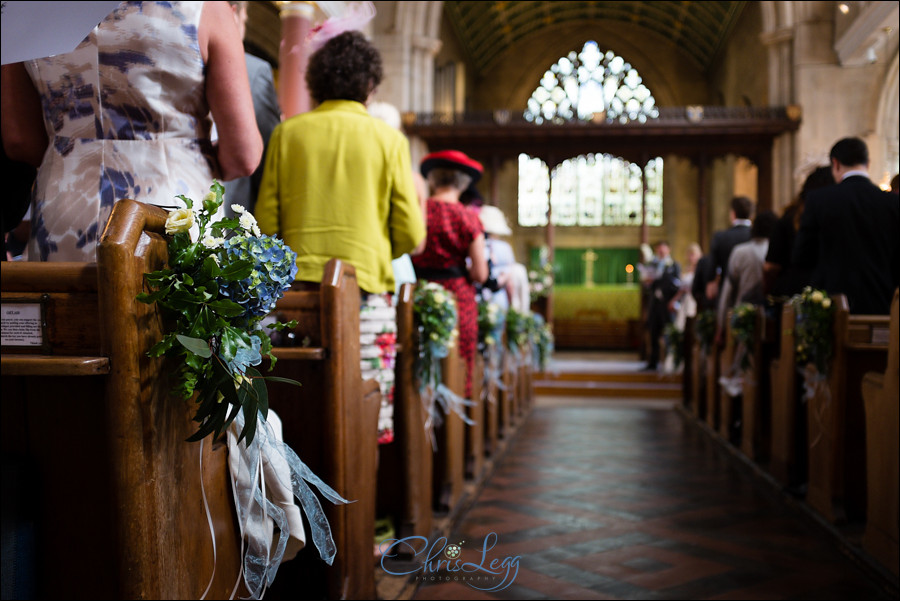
x: 42, y: 365
x: 290, y: 353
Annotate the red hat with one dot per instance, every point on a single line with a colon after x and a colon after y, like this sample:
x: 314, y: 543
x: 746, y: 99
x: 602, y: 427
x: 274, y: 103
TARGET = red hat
x: 452, y: 159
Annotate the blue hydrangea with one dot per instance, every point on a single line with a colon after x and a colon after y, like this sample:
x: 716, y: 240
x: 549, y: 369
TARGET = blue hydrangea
x: 246, y: 356
x: 275, y: 266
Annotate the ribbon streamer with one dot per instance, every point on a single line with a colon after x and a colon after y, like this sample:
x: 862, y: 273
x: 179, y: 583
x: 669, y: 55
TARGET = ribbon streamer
x: 268, y: 457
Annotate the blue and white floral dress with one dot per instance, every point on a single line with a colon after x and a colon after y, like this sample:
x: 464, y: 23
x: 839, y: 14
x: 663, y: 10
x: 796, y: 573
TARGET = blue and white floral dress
x: 127, y: 117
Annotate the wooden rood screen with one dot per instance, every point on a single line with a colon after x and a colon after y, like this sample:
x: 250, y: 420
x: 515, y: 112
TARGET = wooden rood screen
x: 114, y: 496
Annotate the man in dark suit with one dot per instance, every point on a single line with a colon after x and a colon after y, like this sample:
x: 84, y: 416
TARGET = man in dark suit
x: 724, y: 241
x: 849, y: 234
x: 243, y: 191
x: 666, y: 280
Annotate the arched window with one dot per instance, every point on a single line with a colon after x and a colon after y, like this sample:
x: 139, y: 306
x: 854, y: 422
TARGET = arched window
x: 590, y: 85
x: 593, y: 189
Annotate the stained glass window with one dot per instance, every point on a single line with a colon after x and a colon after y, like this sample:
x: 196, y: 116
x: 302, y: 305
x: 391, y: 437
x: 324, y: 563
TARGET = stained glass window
x: 591, y: 85
x: 592, y: 189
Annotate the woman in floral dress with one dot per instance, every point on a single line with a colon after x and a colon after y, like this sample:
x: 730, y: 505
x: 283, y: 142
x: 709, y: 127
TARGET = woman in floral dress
x: 454, y: 253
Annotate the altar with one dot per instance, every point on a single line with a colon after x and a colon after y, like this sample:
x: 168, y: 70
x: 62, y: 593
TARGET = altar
x: 596, y: 298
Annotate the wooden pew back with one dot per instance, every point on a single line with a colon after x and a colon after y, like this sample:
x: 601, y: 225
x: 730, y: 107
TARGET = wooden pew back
x: 881, y: 394
x: 405, y: 465
x: 331, y: 423
x: 836, y: 432
x: 104, y: 426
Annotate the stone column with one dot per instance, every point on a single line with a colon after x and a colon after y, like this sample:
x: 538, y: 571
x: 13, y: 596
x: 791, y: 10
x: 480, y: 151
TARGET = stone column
x: 780, y: 44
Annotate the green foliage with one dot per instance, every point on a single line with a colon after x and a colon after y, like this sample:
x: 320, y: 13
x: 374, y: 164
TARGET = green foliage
x: 813, y: 329
x: 489, y: 318
x: 743, y: 328
x: 674, y: 343
x: 216, y: 291
x: 434, y: 309
x: 705, y: 329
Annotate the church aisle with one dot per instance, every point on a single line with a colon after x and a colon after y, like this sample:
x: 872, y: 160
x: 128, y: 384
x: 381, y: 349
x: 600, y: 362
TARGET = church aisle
x: 619, y: 501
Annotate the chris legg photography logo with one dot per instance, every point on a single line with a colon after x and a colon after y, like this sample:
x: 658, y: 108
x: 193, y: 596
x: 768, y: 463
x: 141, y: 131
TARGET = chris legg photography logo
x: 443, y: 561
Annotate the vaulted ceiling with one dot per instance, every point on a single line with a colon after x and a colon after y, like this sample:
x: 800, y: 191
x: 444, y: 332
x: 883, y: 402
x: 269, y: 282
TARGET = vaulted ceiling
x: 487, y: 29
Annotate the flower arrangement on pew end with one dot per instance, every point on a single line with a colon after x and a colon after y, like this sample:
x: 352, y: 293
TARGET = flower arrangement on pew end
x: 743, y: 328
x: 516, y: 331
x: 218, y: 287
x: 674, y: 338
x: 540, y: 335
x: 813, y: 328
x: 435, y: 311
x: 490, y: 317
x: 705, y: 329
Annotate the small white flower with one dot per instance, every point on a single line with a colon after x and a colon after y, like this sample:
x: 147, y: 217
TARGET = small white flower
x: 817, y: 296
x: 238, y: 209
x: 212, y: 242
x: 247, y: 221
x: 826, y: 302
x: 439, y: 298
x: 256, y: 230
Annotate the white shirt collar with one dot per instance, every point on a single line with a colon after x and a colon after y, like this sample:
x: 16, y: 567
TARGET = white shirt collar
x: 861, y: 172
x: 737, y: 222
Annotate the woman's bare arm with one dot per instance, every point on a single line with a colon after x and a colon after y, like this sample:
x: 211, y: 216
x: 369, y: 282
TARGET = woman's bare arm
x: 24, y: 135
x: 240, y: 145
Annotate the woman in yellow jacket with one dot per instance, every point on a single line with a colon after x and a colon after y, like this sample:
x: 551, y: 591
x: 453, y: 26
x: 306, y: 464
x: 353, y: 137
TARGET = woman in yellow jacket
x: 338, y: 183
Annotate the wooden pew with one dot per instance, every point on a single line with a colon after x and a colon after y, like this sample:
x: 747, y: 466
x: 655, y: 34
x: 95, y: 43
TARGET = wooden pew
x: 712, y: 387
x: 787, y: 462
x: 836, y: 424
x: 729, y: 406
x: 405, y: 465
x: 697, y: 375
x: 881, y: 392
x: 491, y: 400
x: 331, y: 423
x: 755, y: 400
x: 91, y: 418
x: 475, y: 432
x: 509, y: 379
x: 449, y: 458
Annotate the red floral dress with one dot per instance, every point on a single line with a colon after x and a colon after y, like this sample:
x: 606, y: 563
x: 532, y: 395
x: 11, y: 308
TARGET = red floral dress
x: 451, y: 229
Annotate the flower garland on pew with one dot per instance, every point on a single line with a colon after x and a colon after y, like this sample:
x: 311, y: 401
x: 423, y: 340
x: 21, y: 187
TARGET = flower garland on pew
x: 434, y: 309
x: 674, y: 343
x: 743, y: 327
x: 490, y: 322
x: 813, y: 333
x: 705, y: 329
x: 541, y: 338
x: 223, y: 279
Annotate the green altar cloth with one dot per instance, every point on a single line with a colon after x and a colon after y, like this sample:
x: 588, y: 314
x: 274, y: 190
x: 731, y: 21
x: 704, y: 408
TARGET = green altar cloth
x: 614, y: 302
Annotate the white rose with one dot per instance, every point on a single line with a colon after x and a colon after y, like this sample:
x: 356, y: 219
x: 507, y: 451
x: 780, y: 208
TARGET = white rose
x: 439, y: 298
x: 179, y: 221
x: 817, y: 297
x: 826, y: 302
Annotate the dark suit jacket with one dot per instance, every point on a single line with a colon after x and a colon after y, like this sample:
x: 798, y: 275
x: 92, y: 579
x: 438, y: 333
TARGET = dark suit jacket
x: 723, y: 242
x: 244, y: 191
x: 850, y: 237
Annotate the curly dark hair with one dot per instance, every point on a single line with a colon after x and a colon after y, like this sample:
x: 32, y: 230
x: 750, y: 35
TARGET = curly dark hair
x: 347, y: 67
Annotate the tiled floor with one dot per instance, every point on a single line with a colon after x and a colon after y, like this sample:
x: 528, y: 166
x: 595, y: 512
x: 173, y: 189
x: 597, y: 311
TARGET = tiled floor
x: 606, y: 501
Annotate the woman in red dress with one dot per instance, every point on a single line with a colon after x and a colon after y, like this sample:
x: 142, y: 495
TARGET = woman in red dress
x: 454, y: 253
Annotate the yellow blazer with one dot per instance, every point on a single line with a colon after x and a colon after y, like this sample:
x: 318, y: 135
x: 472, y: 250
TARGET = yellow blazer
x: 338, y: 183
